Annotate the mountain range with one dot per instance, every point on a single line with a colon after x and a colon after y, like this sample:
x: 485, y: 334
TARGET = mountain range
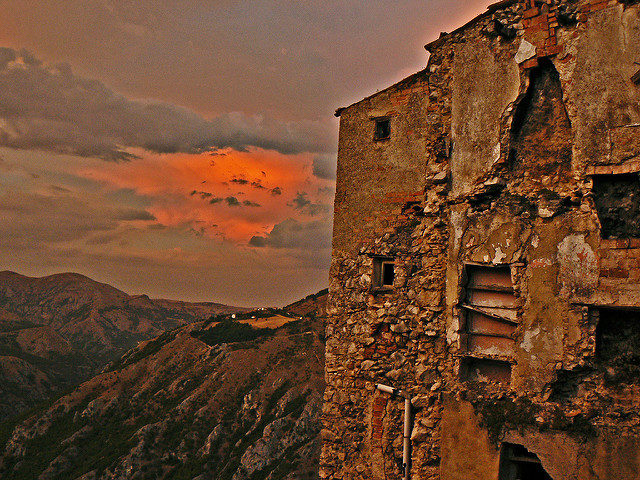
x: 235, y: 396
x: 58, y: 330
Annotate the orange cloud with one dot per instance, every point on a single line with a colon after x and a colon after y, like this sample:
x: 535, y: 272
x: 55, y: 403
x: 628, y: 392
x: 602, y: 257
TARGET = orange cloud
x: 232, y: 194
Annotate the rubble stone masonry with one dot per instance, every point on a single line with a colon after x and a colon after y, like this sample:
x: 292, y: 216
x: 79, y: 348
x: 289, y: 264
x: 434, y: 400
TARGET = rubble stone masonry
x: 507, y: 197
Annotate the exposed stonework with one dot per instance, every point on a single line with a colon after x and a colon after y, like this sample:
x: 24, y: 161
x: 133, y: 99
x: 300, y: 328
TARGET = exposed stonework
x: 506, y: 151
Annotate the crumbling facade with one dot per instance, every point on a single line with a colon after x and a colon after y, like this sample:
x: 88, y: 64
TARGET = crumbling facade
x: 486, y: 255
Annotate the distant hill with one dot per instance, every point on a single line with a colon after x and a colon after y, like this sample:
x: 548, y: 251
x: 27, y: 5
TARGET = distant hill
x: 314, y: 305
x: 217, y: 399
x: 58, y: 330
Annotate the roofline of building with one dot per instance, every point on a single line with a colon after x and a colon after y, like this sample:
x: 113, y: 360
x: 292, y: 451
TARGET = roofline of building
x: 429, y: 47
x: 395, y: 85
x: 432, y: 45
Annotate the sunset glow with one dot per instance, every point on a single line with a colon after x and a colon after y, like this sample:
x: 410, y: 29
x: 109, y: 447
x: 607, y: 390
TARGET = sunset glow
x: 231, y: 194
x: 189, y: 151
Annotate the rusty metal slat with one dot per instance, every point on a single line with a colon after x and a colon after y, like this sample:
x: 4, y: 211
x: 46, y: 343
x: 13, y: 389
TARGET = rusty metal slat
x: 499, y: 318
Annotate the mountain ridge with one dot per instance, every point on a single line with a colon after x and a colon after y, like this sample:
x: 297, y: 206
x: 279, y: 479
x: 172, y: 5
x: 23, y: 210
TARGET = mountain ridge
x: 58, y: 330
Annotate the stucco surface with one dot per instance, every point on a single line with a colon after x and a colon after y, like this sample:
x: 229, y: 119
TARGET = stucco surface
x: 483, y: 86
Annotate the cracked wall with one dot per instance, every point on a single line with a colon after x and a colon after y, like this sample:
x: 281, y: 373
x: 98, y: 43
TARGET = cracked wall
x: 503, y: 145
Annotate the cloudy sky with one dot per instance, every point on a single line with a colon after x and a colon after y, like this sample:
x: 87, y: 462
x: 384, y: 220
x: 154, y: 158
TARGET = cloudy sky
x: 186, y: 149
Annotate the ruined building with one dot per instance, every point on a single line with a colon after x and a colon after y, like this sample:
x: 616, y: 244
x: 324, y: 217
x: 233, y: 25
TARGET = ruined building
x: 486, y: 256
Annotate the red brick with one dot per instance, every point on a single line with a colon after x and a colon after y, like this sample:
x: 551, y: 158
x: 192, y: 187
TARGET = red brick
x: 532, y: 12
x: 634, y: 274
x: 530, y: 63
x: 614, y: 273
x: 539, y: 21
x: 615, y: 243
x: 554, y: 50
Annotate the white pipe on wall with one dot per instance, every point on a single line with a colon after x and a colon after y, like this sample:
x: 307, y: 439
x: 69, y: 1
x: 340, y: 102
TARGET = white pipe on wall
x: 406, y: 432
x: 406, y: 443
x: 388, y: 389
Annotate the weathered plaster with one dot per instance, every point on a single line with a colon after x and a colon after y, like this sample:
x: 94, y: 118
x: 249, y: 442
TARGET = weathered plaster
x: 598, y: 88
x: 482, y: 88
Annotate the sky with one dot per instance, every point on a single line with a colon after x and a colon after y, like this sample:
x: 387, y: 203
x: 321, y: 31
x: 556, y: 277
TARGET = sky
x: 186, y: 149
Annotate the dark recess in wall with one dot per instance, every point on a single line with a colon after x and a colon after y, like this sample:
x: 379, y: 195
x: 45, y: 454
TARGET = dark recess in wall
x: 618, y: 345
x: 617, y: 199
x: 541, y: 131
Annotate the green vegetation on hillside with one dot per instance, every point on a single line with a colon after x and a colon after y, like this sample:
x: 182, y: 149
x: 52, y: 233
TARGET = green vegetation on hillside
x: 230, y: 331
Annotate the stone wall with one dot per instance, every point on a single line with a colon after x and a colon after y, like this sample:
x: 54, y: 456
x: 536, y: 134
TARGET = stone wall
x: 508, y: 135
x: 379, y: 175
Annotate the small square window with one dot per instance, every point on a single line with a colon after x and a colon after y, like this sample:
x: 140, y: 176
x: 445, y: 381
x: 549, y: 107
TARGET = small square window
x: 384, y: 272
x: 388, y: 274
x: 383, y: 129
x: 485, y: 370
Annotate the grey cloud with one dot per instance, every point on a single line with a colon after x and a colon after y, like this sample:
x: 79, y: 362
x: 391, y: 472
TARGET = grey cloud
x: 239, y: 181
x: 6, y: 55
x: 136, y: 215
x: 300, y: 200
x: 54, y: 219
x: 102, y: 239
x: 232, y: 201
x: 67, y: 217
x: 276, y: 191
x: 302, y: 203
x: 249, y: 203
x: 202, y: 194
x: 327, y: 191
x: 292, y: 234
x: 159, y: 226
x: 318, y: 209
x: 58, y: 189
x: 258, y: 242
x: 324, y: 166
x: 51, y: 108
x: 215, y: 200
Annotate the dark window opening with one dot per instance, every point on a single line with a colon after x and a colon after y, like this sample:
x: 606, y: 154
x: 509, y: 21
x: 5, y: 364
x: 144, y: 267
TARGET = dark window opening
x: 489, y: 313
x: 388, y: 273
x: 517, y: 463
x: 618, y: 345
x: 617, y: 199
x: 636, y: 78
x: 384, y: 272
x: 383, y: 129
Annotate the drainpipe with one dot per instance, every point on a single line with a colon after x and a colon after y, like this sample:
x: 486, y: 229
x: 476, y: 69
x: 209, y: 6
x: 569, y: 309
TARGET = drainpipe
x: 406, y: 433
